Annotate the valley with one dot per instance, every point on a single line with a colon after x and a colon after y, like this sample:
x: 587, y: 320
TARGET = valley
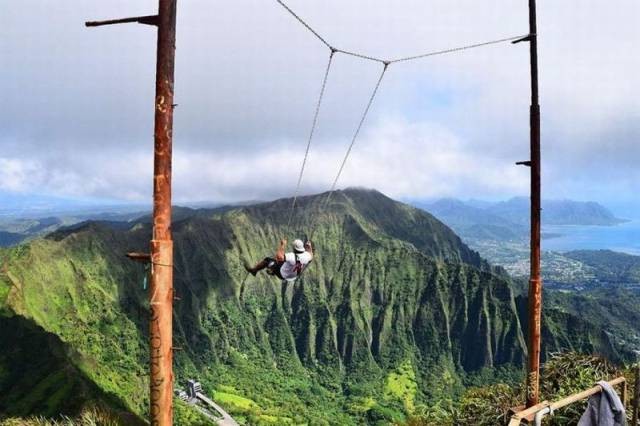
x: 396, y: 315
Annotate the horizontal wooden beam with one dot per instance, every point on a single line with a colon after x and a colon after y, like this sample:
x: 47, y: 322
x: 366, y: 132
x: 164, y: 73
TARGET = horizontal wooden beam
x: 147, y: 20
x: 530, y: 412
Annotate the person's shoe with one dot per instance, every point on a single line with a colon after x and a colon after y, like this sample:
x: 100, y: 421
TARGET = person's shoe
x: 249, y: 269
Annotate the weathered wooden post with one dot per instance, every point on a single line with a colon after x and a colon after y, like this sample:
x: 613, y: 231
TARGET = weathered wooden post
x: 636, y: 398
x: 161, y: 257
x: 161, y: 288
x: 535, y: 280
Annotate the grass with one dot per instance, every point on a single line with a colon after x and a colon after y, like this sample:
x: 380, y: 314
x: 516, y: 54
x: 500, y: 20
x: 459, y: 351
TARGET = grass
x: 265, y: 419
x: 562, y: 375
x: 236, y: 401
x: 52, y: 389
x: 401, y: 385
x: 4, y: 290
x: 274, y: 356
x: 71, y: 293
x: 93, y: 416
x: 362, y: 404
x: 183, y: 414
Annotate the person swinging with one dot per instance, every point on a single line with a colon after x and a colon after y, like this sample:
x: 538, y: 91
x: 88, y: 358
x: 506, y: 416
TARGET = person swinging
x: 286, y: 266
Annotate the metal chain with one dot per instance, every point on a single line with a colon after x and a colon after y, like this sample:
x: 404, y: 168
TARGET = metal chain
x: 405, y: 59
x: 314, y: 125
x: 456, y: 49
x: 307, y: 26
x: 371, y: 99
x: 355, y: 135
x: 346, y: 156
x: 361, y: 56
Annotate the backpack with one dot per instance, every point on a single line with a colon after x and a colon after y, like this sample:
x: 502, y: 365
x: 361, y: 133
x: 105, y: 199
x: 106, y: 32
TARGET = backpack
x: 299, y: 266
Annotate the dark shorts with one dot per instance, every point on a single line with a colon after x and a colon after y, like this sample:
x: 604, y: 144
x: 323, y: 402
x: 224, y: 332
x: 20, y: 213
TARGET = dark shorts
x: 273, y: 266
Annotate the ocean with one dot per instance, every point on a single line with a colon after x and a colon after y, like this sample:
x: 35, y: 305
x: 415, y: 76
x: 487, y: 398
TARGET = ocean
x: 624, y: 238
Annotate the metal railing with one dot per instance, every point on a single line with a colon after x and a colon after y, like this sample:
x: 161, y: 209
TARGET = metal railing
x: 537, y: 412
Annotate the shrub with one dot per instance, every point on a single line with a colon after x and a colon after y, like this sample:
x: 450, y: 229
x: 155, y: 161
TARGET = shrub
x: 562, y: 375
x: 569, y: 373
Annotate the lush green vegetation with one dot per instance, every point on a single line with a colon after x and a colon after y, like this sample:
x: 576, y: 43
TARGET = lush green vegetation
x: 92, y: 416
x: 38, y: 375
x: 401, y: 385
x: 609, y: 266
x: 183, y: 414
x: 562, y: 375
x: 393, y: 320
x: 609, y: 314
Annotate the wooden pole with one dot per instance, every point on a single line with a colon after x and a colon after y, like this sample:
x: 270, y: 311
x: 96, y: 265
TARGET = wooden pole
x: 161, y: 256
x: 535, y: 281
x: 161, y: 288
x: 636, y: 398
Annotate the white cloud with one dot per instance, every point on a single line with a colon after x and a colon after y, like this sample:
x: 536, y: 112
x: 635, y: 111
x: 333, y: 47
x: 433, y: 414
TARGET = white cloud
x: 79, y: 175
x: 247, y: 74
x: 400, y: 158
x: 18, y: 175
x: 424, y: 159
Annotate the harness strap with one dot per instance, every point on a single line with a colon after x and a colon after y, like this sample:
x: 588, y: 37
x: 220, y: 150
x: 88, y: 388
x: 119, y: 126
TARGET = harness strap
x: 299, y: 266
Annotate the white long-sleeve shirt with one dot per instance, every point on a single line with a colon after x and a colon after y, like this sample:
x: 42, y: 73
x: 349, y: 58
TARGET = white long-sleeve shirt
x: 290, y: 269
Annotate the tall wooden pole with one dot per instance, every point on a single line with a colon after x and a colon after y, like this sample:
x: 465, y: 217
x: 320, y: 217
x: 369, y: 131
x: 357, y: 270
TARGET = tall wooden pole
x: 161, y: 288
x: 161, y: 256
x: 535, y: 281
x: 636, y: 397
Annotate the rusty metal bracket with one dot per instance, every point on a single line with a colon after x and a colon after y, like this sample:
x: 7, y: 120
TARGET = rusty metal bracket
x: 521, y: 414
x: 528, y: 37
x: 146, y: 20
x: 524, y: 163
x: 139, y: 257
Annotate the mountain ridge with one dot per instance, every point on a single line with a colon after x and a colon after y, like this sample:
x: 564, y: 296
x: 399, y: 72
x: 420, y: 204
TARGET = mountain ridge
x: 557, y: 212
x: 509, y: 220
x: 393, y: 296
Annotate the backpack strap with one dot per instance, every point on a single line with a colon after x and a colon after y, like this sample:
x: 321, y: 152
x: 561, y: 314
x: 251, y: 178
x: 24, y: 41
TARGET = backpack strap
x: 299, y: 266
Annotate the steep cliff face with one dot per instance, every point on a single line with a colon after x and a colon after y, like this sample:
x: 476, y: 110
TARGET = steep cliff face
x: 394, y: 310
x: 387, y: 280
x: 38, y: 375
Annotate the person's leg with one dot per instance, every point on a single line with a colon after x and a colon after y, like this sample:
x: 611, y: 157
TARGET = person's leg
x: 258, y: 267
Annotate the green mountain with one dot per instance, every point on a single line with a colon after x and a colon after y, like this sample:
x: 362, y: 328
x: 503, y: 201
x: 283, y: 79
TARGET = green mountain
x: 39, y: 374
x: 395, y: 312
x: 612, y: 317
x: 14, y: 230
x: 556, y: 212
x: 509, y: 220
x: 10, y: 238
x: 475, y: 222
x: 609, y: 266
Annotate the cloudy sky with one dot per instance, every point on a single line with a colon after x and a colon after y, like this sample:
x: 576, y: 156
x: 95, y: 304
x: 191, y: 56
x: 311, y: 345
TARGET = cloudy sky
x: 77, y: 103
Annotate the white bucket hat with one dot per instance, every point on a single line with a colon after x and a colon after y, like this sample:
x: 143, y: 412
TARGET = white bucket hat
x: 298, y: 246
